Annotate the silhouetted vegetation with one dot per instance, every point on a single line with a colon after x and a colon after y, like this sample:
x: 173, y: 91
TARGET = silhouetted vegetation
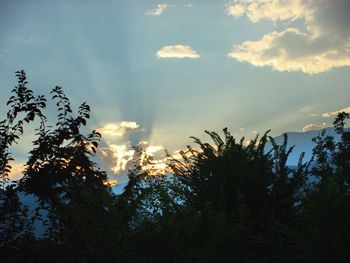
x: 222, y: 201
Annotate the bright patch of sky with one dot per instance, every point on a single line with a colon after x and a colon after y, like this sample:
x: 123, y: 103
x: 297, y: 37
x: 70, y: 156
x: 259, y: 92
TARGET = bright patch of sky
x: 173, y: 69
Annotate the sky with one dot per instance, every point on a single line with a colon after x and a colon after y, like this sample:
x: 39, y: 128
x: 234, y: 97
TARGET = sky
x: 157, y: 72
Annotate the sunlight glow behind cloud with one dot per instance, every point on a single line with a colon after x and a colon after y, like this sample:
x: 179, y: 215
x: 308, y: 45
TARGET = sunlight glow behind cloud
x: 324, y: 45
x: 177, y: 51
x: 111, y: 182
x: 120, y: 154
x: 16, y: 170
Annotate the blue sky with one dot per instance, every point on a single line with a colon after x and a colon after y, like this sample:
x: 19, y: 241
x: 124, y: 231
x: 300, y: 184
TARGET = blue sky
x: 161, y: 71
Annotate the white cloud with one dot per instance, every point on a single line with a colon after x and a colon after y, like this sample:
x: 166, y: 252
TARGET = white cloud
x: 129, y: 124
x: 177, y: 51
x: 235, y: 10
x: 150, y: 150
x: 160, y: 8
x: 273, y: 10
x: 334, y: 113
x: 324, y: 45
x: 312, y: 126
x: 117, y: 129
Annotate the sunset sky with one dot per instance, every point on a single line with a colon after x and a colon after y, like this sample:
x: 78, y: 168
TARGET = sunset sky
x: 158, y: 72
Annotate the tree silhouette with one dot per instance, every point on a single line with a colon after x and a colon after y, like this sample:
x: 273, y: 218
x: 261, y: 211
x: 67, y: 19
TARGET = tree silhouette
x: 222, y: 201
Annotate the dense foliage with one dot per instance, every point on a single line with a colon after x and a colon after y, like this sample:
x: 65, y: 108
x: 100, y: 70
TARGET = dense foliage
x: 223, y: 201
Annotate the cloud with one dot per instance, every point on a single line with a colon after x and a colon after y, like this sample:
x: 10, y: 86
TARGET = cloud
x: 119, y: 158
x: 313, y: 115
x: 335, y: 113
x: 129, y: 124
x: 115, y: 152
x: 16, y: 170
x: 150, y: 150
x: 306, y: 108
x: 273, y: 10
x: 325, y: 44
x: 119, y: 155
x: 160, y: 8
x: 111, y: 182
x: 312, y: 127
x: 235, y: 10
x: 115, y: 129
x: 177, y: 51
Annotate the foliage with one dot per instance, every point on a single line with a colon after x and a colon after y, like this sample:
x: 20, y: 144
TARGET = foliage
x: 223, y: 201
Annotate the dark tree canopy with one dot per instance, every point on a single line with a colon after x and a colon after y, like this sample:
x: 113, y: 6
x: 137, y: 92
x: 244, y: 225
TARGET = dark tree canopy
x: 222, y: 201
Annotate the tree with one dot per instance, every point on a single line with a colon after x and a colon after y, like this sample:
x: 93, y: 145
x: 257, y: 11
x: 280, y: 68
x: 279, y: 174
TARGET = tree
x: 325, y: 208
x: 59, y: 172
x: 223, y: 200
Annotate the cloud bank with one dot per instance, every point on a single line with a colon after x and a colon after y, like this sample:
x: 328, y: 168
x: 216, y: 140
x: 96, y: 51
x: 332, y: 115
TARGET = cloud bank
x: 177, y: 51
x: 325, y: 43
